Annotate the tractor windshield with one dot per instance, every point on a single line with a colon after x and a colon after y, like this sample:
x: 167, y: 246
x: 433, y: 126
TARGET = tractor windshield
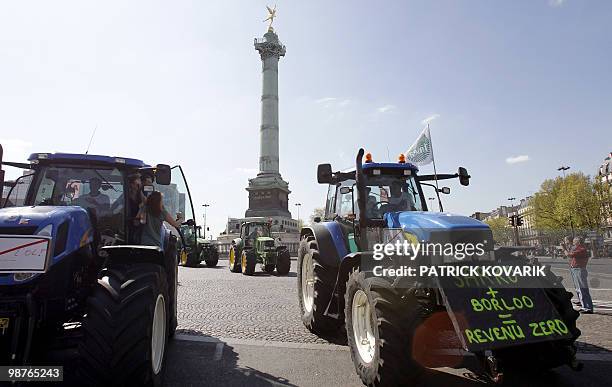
x: 255, y: 230
x: 97, y: 189
x: 391, y: 194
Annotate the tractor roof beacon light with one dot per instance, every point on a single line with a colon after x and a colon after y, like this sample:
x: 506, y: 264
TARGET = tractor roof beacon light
x: 368, y: 157
x: 401, y: 159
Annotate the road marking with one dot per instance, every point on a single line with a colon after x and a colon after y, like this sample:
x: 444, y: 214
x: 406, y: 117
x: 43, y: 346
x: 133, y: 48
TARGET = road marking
x: 259, y: 343
x: 221, y: 342
x: 218, y: 351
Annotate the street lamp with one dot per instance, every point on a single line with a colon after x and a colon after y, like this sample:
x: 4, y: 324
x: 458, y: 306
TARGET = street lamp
x: 205, y: 207
x: 298, y: 205
x: 564, y: 168
x: 512, y: 201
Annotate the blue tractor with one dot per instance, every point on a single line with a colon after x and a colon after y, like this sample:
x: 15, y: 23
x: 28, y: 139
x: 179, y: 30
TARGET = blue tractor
x: 72, y: 271
x: 396, y: 323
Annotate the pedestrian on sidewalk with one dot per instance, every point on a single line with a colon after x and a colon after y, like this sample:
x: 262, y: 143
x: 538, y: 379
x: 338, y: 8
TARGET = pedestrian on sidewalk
x: 579, y: 259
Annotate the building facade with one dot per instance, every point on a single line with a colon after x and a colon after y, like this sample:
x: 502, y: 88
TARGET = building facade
x: 604, y: 175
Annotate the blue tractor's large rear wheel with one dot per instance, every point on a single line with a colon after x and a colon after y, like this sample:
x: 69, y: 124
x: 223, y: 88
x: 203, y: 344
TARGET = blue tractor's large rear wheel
x: 125, y: 331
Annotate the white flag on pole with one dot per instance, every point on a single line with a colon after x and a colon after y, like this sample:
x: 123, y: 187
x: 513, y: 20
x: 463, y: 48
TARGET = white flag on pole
x: 421, y: 152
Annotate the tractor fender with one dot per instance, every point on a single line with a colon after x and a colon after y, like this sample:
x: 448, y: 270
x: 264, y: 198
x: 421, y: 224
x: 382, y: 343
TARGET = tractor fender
x: 335, y: 308
x: 331, y: 240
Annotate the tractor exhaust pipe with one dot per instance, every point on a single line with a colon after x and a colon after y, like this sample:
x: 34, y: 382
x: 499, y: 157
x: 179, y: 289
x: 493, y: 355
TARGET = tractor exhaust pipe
x: 1, y: 174
x: 361, y: 200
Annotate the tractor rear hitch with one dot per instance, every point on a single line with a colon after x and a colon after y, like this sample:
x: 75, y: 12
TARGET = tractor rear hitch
x: 492, y: 368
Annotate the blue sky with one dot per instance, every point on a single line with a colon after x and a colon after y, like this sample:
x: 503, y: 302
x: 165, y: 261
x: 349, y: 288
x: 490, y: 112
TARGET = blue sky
x: 180, y: 82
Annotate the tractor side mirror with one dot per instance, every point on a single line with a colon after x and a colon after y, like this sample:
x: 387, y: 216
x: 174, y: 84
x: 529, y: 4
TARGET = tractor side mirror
x: 163, y: 175
x: 464, y: 176
x: 324, y: 174
x: 445, y: 190
x: 345, y: 190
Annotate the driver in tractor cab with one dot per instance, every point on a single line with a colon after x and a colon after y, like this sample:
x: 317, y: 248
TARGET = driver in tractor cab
x: 94, y: 199
x: 254, y: 233
x: 399, y: 199
x: 371, y: 210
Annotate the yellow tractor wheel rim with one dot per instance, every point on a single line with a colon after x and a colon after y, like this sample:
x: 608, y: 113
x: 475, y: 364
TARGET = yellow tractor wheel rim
x: 243, y: 261
x: 231, y: 258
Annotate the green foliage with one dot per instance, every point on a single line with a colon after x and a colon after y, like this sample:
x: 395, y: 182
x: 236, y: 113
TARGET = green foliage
x: 566, y: 203
x: 502, y: 232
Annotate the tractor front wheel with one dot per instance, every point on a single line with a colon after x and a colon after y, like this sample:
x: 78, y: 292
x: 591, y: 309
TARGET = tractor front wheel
x: 315, y: 287
x: 283, y: 263
x: 234, y: 263
x: 125, y: 331
x: 193, y: 260
x: 248, y: 262
x: 380, y: 326
x: 212, y: 259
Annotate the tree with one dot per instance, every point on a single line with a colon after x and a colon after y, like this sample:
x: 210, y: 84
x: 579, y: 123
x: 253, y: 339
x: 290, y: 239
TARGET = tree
x: 317, y: 212
x: 569, y: 203
x: 502, y: 232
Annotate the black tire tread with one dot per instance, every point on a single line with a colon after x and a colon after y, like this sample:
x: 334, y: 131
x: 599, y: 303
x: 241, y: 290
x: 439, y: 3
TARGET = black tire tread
x: 115, y: 349
x: 251, y: 262
x: 397, y: 320
x: 325, y: 281
x: 283, y: 263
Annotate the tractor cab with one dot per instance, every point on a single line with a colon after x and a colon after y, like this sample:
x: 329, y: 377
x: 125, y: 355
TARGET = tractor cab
x: 251, y: 232
x: 375, y: 195
x: 109, y: 189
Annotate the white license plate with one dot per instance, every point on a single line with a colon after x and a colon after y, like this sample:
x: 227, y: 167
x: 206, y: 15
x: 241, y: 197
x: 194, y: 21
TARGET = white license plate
x: 24, y: 254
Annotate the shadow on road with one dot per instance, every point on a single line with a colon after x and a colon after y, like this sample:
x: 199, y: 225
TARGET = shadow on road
x: 212, y: 363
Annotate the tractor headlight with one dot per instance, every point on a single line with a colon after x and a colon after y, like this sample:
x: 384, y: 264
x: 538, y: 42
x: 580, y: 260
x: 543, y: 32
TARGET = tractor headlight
x: 19, y: 277
x: 46, y: 231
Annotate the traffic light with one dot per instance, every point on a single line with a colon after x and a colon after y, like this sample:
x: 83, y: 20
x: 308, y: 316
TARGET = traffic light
x: 519, y: 220
x: 511, y: 221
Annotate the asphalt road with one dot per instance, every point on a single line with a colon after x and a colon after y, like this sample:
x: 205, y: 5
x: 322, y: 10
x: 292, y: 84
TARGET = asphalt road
x: 246, y: 331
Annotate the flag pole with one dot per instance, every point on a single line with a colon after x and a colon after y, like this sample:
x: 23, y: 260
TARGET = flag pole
x: 433, y: 160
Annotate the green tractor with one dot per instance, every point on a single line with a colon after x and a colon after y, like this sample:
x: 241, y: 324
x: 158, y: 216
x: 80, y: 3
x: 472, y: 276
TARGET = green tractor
x: 205, y: 250
x: 256, y: 245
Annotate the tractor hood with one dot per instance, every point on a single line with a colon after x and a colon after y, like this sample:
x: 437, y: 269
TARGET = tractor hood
x: 441, y: 227
x: 431, y: 220
x: 265, y: 239
x: 69, y: 227
x: 36, y: 217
